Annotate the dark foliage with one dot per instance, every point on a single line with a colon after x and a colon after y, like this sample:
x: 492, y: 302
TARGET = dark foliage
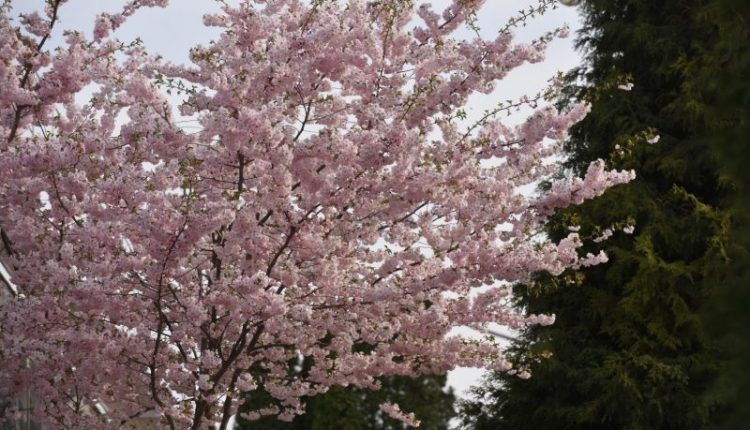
x: 655, y: 338
x: 358, y: 409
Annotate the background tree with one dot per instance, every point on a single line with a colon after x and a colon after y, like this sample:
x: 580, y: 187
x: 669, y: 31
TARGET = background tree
x: 632, y: 346
x: 720, y: 75
x: 330, y: 207
x: 354, y: 408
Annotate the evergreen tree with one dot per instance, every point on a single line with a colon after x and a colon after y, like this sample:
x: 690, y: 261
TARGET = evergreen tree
x: 631, y: 347
x: 722, y: 76
x: 355, y: 408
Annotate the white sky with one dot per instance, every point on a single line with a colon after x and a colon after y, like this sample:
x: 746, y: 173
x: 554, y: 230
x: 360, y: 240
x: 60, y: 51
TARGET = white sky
x: 171, y: 32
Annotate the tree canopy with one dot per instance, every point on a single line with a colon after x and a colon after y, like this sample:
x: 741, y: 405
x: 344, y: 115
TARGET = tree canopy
x: 332, y: 204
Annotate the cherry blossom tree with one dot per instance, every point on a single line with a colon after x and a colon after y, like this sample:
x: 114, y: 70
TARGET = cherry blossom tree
x: 333, y: 208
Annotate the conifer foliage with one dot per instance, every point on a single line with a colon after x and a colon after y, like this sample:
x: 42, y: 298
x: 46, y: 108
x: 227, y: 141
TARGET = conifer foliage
x: 633, y: 346
x: 720, y: 75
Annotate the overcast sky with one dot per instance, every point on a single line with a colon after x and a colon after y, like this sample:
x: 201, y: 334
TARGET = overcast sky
x: 171, y: 32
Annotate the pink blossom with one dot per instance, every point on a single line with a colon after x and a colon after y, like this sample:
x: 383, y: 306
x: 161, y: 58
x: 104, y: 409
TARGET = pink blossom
x: 35, y: 24
x: 102, y: 27
x: 394, y: 411
x: 606, y: 234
